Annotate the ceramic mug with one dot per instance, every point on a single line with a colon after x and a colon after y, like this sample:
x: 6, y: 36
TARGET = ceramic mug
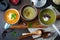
x: 11, y: 17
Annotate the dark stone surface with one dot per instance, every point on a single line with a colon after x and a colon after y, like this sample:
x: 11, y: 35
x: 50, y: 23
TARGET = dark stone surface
x: 19, y: 32
x: 57, y: 38
x: 9, y: 35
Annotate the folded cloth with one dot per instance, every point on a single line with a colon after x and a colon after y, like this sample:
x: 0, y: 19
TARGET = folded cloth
x: 46, y: 29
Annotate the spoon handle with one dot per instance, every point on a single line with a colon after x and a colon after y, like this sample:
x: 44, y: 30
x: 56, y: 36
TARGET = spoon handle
x: 33, y: 33
x: 56, y: 29
x: 58, y: 17
x: 24, y: 36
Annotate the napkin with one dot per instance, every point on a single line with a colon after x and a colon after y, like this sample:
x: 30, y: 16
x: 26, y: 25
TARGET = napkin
x: 51, y: 29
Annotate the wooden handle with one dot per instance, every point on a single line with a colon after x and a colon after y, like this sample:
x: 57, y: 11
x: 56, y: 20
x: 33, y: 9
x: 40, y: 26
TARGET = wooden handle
x: 58, y: 17
x: 33, y: 33
x: 24, y: 36
x: 19, y: 26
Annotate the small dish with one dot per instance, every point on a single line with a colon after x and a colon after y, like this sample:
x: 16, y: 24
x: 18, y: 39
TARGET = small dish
x: 14, y: 2
x: 39, y: 3
x: 28, y: 13
x: 3, y: 5
x: 57, y: 2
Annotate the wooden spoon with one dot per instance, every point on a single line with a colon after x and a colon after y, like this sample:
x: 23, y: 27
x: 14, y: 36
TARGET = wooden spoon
x: 38, y: 32
x: 24, y: 36
x: 44, y: 35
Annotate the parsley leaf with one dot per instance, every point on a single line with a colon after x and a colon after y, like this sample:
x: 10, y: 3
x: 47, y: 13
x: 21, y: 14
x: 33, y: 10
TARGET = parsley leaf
x: 13, y: 16
x: 30, y: 24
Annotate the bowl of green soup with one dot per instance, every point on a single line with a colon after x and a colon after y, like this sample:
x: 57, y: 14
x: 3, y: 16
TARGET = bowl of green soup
x: 47, y: 17
x: 28, y: 13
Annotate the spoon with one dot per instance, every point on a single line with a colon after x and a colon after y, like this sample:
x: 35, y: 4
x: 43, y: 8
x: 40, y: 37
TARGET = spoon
x: 57, y: 30
x: 43, y: 35
x: 38, y: 32
x: 25, y: 35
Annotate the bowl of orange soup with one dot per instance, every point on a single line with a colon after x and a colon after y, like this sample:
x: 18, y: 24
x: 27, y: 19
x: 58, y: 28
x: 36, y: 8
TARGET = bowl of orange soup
x: 11, y: 16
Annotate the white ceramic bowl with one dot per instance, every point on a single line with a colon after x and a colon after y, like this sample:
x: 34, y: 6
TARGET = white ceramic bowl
x: 39, y: 3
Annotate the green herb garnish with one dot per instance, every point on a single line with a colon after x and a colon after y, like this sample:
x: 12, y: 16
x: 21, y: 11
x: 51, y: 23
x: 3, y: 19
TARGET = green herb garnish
x: 14, y: 34
x: 13, y: 16
x: 30, y: 24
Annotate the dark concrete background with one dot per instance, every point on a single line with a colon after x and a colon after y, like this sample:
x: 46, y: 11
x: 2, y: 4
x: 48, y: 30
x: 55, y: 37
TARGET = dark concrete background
x: 9, y: 35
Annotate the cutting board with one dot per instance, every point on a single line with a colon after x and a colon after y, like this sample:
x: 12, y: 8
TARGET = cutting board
x: 31, y: 24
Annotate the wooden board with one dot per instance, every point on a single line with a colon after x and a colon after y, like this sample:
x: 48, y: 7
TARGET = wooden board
x: 32, y: 24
